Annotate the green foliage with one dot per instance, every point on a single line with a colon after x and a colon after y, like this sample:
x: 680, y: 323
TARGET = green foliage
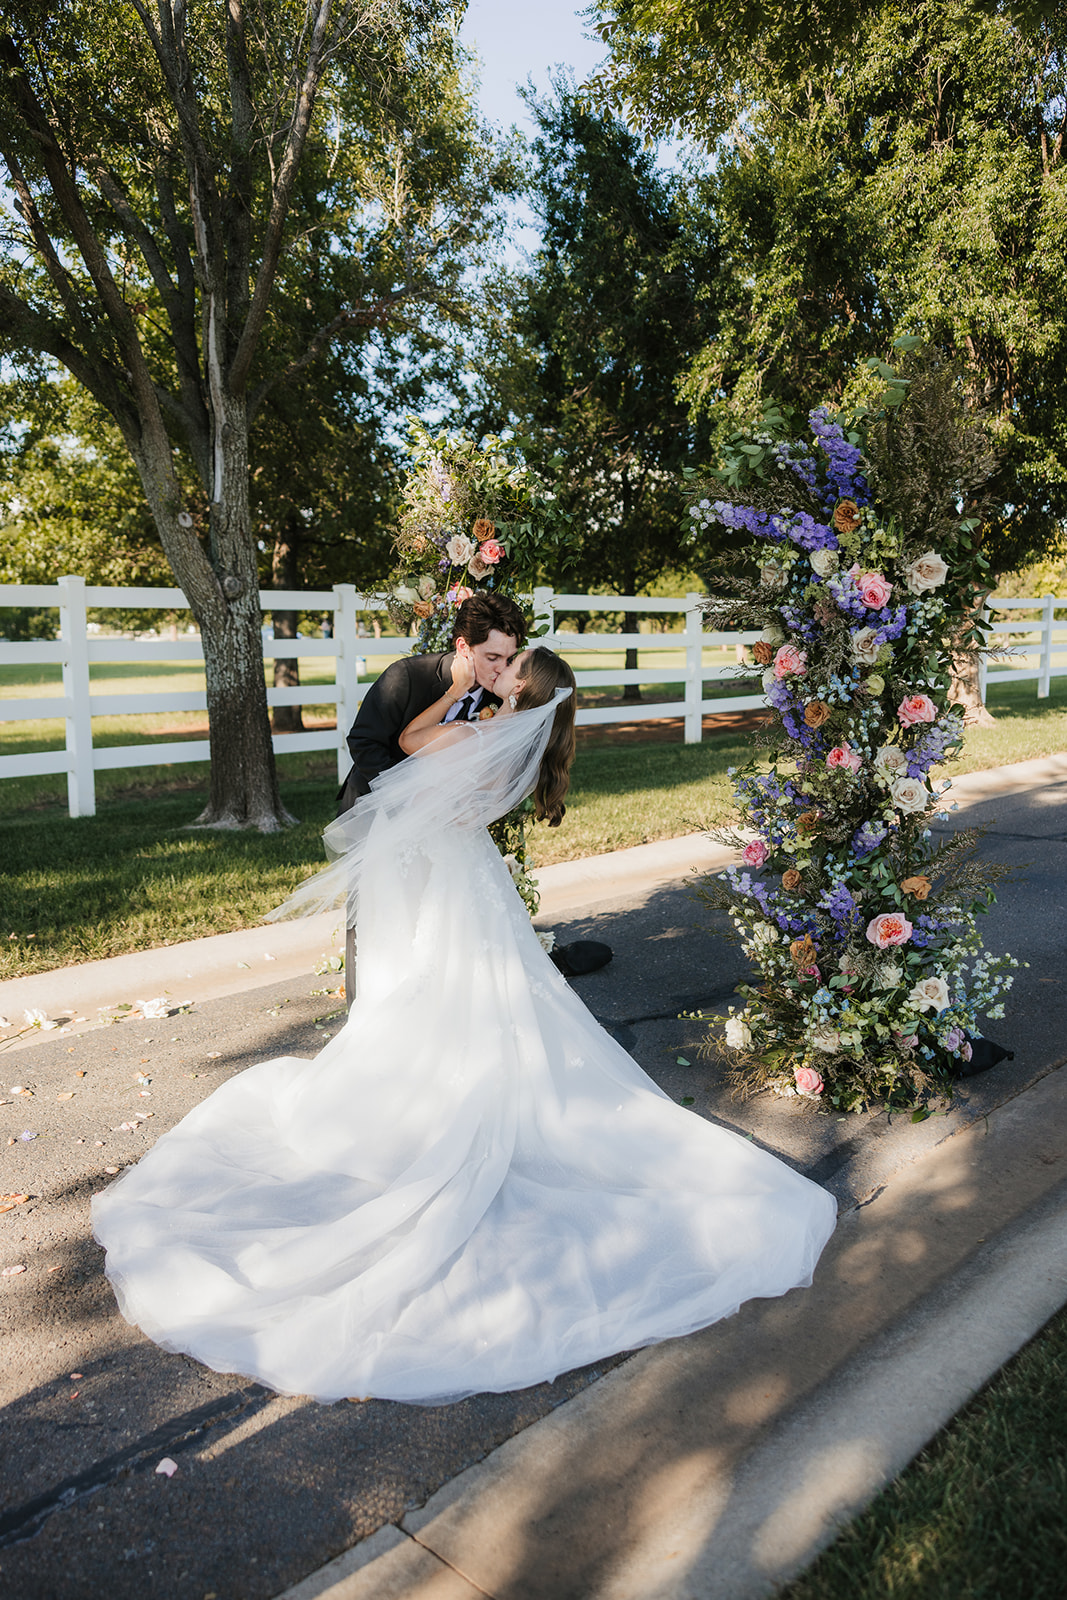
x: 912, y: 183
x: 587, y: 347
x: 695, y: 67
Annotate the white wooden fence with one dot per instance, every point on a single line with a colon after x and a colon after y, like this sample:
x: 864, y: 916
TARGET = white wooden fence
x: 76, y: 650
x: 1051, y: 645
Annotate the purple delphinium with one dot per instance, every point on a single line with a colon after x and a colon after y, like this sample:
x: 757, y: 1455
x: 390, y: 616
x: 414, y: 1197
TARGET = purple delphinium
x: 932, y: 745
x: 841, y: 905
x: 868, y: 837
x: 844, y: 479
x: 795, y: 457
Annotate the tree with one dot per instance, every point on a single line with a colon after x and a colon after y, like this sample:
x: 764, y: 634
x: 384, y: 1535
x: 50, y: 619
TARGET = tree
x: 593, y: 341
x: 911, y: 185
x: 917, y: 192
x: 174, y: 169
x: 696, y: 67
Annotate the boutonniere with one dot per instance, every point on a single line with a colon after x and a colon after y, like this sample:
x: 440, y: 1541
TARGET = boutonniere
x: 486, y: 712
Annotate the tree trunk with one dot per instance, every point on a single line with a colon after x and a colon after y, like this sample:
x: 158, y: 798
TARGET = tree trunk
x: 965, y: 686
x: 285, y: 575
x: 222, y: 587
x: 631, y: 692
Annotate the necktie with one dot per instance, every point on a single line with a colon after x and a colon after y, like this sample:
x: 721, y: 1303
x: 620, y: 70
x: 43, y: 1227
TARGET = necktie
x: 463, y: 707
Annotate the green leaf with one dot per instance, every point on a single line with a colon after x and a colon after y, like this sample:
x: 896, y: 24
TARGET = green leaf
x: 682, y: 1062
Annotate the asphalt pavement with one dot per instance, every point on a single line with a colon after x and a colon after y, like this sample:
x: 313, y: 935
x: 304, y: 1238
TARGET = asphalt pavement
x: 620, y: 1479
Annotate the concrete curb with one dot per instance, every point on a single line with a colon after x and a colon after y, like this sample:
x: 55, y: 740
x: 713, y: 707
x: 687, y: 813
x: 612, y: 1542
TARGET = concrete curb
x: 673, y: 1470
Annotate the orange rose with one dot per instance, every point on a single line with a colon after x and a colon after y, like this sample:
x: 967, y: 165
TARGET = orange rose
x: 816, y: 712
x: 763, y: 652
x: 918, y: 887
x: 807, y: 822
x: 483, y: 529
x: 422, y: 608
x: 846, y: 518
x: 803, y: 952
x: 791, y: 879
x: 485, y: 713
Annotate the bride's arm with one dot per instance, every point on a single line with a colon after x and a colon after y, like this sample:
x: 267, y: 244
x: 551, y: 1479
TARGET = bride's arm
x: 430, y: 724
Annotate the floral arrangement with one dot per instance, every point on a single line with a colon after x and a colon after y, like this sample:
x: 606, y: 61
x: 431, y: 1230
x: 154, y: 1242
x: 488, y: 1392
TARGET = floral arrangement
x: 473, y: 518
x: 861, y: 926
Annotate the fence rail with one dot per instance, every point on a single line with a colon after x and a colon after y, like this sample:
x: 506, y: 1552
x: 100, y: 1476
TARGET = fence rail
x: 76, y: 651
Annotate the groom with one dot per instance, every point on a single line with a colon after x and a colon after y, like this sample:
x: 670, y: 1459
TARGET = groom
x: 493, y: 629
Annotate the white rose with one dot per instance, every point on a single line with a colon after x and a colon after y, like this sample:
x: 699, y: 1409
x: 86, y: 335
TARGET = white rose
x: 738, y: 1033
x: 929, y: 994
x: 154, y: 1008
x: 889, y: 761
x: 459, y: 549
x: 823, y: 562
x: 925, y: 572
x: 865, y: 646
x: 406, y: 594
x: 427, y: 588
x: 826, y: 1038
x: 769, y: 680
x: 547, y: 940
x: 773, y: 635
x: 888, y: 975
x: 909, y: 794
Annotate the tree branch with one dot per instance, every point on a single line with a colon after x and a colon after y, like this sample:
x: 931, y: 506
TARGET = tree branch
x: 290, y: 162
x: 363, y: 317
x: 25, y: 328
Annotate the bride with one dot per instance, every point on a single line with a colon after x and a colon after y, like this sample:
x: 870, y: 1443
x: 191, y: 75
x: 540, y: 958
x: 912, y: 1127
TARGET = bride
x: 472, y: 1187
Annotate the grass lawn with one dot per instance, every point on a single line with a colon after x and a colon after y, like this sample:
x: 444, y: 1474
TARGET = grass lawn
x: 131, y: 877
x: 981, y: 1514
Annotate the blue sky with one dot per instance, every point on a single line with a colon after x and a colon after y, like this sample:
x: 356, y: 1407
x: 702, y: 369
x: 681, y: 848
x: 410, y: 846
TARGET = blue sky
x: 520, y: 40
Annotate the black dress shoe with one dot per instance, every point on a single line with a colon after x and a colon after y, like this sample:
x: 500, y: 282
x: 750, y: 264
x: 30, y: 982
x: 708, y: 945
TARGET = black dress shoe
x: 585, y: 955
x: 984, y: 1054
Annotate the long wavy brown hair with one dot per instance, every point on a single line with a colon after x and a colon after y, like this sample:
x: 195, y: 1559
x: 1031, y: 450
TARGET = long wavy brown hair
x: 543, y: 673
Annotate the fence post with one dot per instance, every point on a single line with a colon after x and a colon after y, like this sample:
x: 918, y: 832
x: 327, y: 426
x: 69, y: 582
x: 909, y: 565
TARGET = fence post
x: 1048, y: 618
x: 983, y: 656
x: 544, y: 612
x: 346, y: 650
x: 694, y: 669
x: 81, y: 779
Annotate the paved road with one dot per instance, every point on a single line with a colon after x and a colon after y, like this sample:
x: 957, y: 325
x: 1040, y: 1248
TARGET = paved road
x: 268, y: 1487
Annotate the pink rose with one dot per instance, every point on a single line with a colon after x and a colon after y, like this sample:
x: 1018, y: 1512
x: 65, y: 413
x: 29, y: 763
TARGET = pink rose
x: 754, y: 854
x: 892, y: 927
x: 459, y: 594
x: 491, y: 551
x: 843, y: 756
x: 874, y: 590
x: 789, y: 659
x: 808, y: 1081
x: 916, y: 708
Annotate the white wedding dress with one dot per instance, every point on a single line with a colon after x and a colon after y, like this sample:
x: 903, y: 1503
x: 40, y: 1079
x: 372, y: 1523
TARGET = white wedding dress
x: 473, y: 1187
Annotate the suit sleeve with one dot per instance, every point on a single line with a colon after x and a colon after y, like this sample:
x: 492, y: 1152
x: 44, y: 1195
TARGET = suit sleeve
x: 382, y: 716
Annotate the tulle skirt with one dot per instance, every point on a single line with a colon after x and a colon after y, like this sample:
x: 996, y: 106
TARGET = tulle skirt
x: 473, y: 1187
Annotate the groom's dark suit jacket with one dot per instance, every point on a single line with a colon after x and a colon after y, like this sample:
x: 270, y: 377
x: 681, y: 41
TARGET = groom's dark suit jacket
x: 403, y: 690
